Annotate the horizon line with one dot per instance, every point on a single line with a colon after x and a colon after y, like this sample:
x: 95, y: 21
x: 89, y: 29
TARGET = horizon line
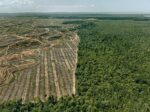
x: 75, y: 12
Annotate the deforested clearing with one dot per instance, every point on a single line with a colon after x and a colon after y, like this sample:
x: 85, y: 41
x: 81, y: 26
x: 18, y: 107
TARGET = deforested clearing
x: 37, y: 59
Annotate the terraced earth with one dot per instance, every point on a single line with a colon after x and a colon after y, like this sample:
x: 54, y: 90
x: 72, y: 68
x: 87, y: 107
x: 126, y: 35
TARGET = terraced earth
x: 53, y: 74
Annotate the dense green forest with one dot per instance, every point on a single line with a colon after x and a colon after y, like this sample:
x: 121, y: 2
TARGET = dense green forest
x: 113, y: 71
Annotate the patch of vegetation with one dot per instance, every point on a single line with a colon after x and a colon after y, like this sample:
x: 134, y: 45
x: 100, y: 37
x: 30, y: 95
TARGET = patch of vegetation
x: 73, y: 22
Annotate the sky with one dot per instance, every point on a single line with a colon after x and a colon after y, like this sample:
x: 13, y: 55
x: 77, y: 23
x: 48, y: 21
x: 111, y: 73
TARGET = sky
x: 101, y: 6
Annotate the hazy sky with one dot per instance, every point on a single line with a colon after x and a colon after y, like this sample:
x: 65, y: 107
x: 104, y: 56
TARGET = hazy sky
x: 138, y: 6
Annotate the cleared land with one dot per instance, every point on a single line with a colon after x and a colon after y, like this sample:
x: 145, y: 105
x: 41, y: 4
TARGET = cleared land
x: 37, y: 59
